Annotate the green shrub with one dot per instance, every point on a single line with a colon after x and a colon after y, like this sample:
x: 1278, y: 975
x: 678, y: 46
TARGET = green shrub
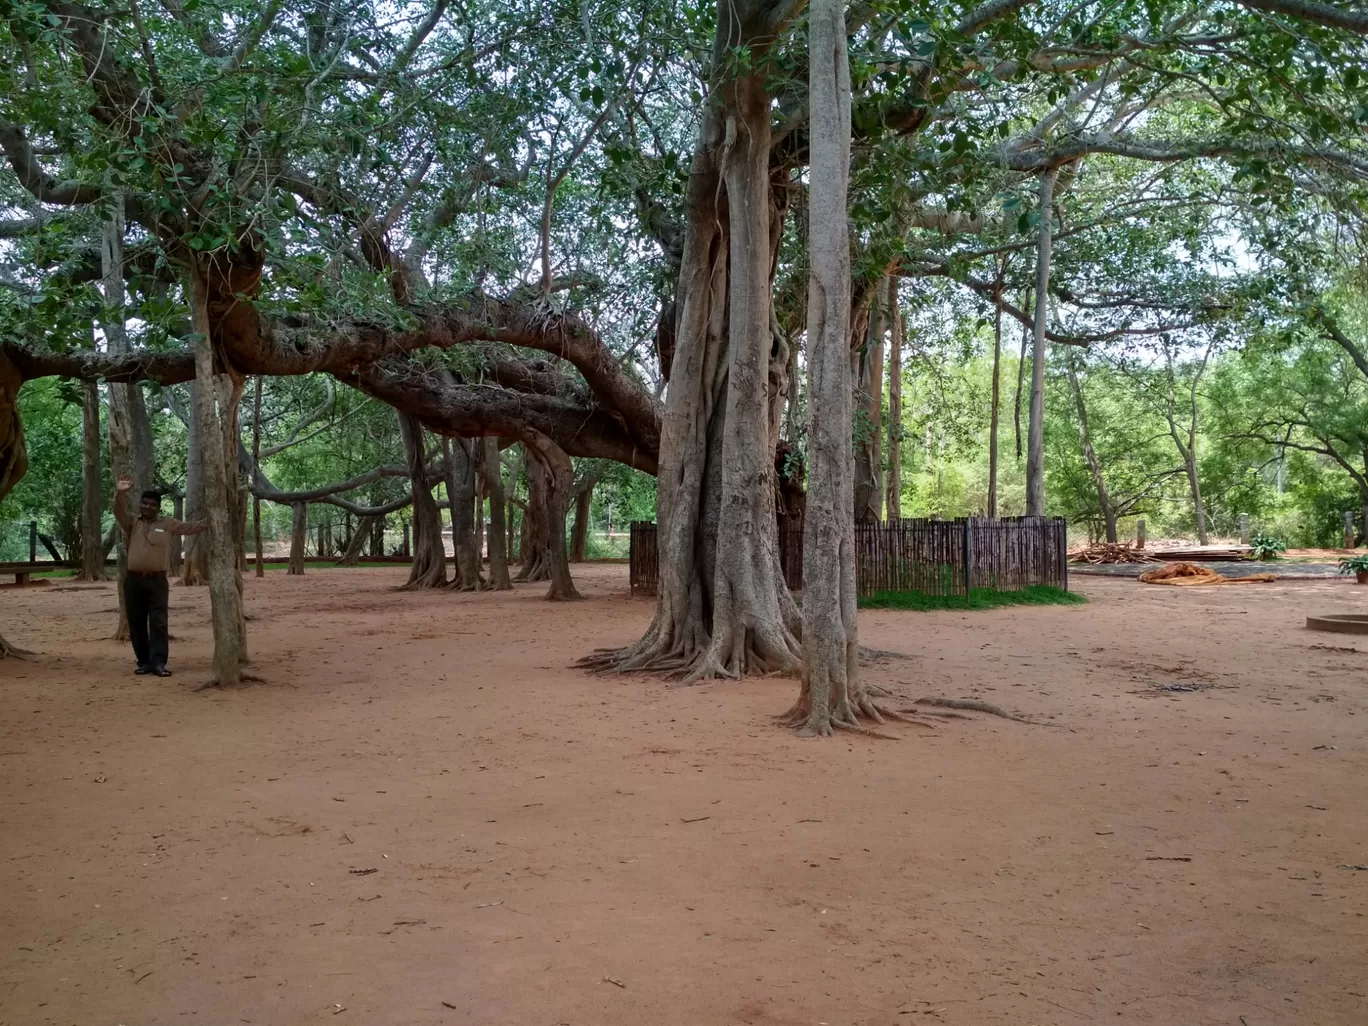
x: 1267, y: 547
x: 979, y: 598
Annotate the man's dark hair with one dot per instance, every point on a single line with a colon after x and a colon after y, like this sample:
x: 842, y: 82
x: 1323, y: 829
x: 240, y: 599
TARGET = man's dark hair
x: 152, y: 495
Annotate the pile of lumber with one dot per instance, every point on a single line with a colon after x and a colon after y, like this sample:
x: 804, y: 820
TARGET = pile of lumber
x: 1205, y: 554
x: 1188, y: 574
x: 1111, y: 552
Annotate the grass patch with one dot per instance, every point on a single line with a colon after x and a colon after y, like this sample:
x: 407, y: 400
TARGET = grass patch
x: 979, y: 598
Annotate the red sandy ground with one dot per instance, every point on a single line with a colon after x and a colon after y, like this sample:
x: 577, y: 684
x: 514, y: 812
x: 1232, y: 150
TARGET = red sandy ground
x: 172, y: 857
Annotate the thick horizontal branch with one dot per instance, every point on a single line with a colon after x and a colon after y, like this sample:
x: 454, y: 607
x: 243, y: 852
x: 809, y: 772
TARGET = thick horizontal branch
x: 1309, y: 10
x: 1174, y: 150
x: 42, y: 186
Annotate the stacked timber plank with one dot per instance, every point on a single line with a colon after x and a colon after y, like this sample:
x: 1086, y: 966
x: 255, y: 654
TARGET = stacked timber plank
x: 1204, y: 554
x: 1111, y: 552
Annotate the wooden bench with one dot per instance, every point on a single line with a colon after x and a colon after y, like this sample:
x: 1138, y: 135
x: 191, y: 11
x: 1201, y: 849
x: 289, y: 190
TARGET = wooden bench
x: 23, y: 571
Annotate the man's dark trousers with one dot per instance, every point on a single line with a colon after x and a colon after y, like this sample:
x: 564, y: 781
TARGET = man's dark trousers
x: 145, y: 597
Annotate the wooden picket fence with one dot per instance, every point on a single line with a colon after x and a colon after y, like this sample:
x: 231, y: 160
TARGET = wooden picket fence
x: 935, y: 557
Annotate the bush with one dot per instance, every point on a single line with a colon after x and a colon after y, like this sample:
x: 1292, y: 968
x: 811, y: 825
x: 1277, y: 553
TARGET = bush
x: 1267, y: 547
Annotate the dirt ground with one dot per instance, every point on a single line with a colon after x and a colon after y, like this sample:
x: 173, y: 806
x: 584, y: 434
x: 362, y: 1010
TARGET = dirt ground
x: 424, y: 817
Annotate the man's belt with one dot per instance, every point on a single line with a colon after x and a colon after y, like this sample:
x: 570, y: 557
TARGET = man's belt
x: 146, y: 573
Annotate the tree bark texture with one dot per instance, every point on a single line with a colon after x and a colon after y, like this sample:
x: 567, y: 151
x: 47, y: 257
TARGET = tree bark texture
x: 498, y: 530
x: 13, y: 453
x: 895, y: 345
x: 995, y: 410
x: 459, y: 463
x: 299, y: 534
x: 557, y: 485
x: 92, y: 537
x: 256, y: 461
x: 362, y: 534
x: 722, y: 610
x: 195, y: 568
x: 830, y: 694
x: 1035, y: 433
x: 535, y: 537
x: 1104, y: 503
x: 429, y: 553
x: 579, y: 536
x: 220, y: 500
x: 868, y: 503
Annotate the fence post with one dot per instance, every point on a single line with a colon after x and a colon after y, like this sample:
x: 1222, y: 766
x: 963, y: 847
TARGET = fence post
x: 33, y: 541
x: 1244, y: 528
x: 968, y: 555
x: 1140, y: 533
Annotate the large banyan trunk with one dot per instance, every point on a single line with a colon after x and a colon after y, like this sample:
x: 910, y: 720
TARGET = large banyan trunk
x: 216, y: 414
x: 498, y: 530
x: 722, y: 610
x: 429, y: 554
x: 92, y: 540
x: 557, y: 484
x: 13, y: 453
x: 830, y: 675
x: 299, y: 533
x: 460, y: 480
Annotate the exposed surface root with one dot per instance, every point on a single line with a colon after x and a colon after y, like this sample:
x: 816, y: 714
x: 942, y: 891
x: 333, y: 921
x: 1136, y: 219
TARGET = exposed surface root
x: 8, y: 651
x: 846, y: 715
x: 974, y: 705
x: 878, y: 655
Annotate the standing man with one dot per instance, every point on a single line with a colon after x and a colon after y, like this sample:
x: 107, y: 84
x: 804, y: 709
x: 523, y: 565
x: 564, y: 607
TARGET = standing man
x: 149, y: 562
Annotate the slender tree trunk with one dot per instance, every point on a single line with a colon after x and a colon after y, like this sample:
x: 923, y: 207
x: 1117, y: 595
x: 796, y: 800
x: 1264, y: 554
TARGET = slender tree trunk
x: 498, y: 530
x: 352, y: 555
x: 256, y: 461
x: 558, y: 477
x: 220, y: 499
x: 535, y: 541
x: 460, y: 474
x: 1035, y: 436
x: 895, y: 346
x: 868, y: 502
x: 177, y: 511
x: 579, y: 537
x: 195, y: 569
x: 1021, y: 374
x: 996, y: 403
x: 299, y: 532
x: 477, y: 445
x: 13, y: 452
x: 1195, y: 485
x: 122, y: 432
x: 92, y: 537
x: 1104, y: 503
x: 429, y: 554
x: 830, y: 694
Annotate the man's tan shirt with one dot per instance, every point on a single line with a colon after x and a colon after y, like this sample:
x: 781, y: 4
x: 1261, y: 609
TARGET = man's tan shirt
x: 149, y: 541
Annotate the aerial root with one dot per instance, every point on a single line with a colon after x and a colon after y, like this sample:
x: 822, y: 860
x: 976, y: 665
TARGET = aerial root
x: 973, y: 705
